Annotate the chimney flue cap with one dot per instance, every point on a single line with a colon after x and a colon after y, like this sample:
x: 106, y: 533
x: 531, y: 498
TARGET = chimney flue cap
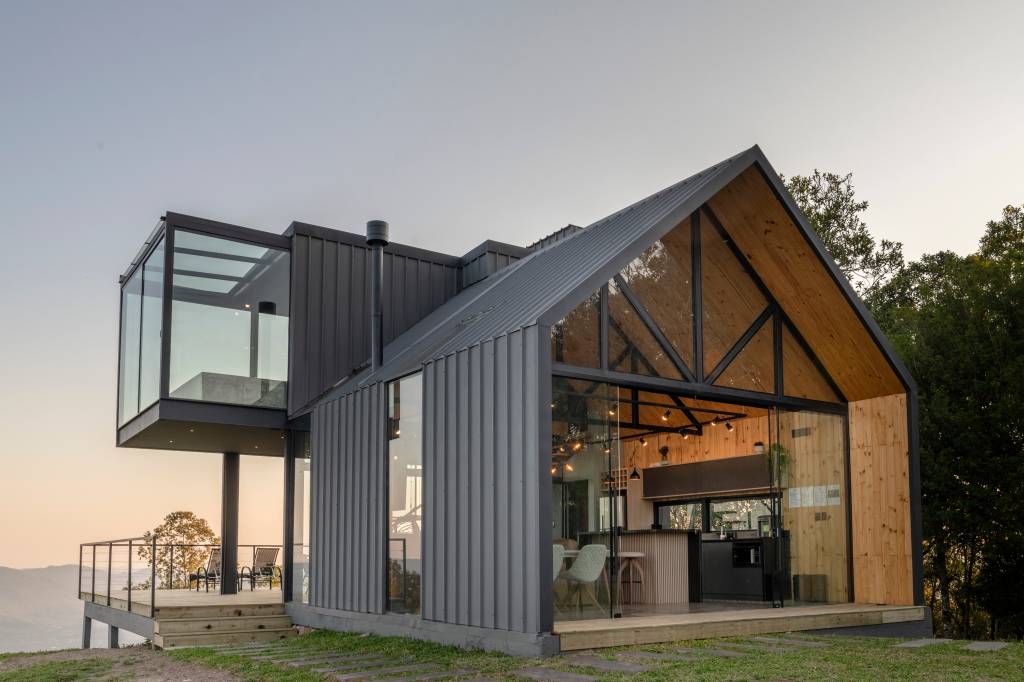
x: 377, y: 233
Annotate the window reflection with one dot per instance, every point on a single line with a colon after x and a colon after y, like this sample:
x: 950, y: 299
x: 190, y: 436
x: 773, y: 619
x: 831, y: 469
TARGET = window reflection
x: 141, y: 321
x: 229, y: 321
x: 405, y: 493
x: 300, y: 519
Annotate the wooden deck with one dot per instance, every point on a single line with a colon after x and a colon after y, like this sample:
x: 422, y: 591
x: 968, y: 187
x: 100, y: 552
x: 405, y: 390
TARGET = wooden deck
x: 607, y: 632
x: 190, y: 618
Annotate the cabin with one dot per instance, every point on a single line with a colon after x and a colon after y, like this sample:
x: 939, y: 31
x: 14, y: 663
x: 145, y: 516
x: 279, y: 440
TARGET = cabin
x: 679, y: 421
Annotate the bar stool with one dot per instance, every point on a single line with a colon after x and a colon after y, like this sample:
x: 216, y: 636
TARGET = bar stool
x: 631, y: 571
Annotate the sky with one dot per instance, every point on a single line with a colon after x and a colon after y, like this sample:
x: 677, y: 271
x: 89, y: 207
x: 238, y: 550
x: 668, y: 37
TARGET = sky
x: 454, y: 121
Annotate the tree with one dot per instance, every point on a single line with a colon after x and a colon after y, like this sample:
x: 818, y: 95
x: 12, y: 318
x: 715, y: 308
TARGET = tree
x: 828, y: 201
x: 182, y: 547
x: 958, y: 323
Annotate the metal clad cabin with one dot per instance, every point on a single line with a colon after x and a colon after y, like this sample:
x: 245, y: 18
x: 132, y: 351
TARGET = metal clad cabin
x: 666, y: 424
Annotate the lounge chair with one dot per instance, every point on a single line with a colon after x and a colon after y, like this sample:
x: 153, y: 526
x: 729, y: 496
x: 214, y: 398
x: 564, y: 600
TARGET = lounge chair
x: 209, y: 573
x: 264, y: 567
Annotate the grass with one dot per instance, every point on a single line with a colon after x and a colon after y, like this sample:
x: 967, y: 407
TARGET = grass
x: 845, y: 658
x: 59, y: 671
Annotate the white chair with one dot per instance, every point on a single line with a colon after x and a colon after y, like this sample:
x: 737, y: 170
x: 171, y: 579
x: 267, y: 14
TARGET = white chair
x: 585, y: 571
x: 557, y: 557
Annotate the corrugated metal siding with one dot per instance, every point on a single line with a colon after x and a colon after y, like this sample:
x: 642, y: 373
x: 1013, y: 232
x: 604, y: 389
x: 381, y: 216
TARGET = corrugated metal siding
x: 347, y: 502
x: 486, y: 488
x: 484, y: 265
x: 330, y: 307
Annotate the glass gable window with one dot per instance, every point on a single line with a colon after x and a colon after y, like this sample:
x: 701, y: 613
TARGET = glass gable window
x: 229, y: 321
x: 405, y: 493
x: 141, y: 315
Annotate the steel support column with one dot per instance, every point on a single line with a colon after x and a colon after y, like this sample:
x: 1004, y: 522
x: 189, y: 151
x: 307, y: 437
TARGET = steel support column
x: 229, y: 524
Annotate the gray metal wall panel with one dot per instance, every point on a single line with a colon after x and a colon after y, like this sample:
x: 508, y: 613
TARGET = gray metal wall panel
x: 347, y: 502
x: 330, y: 311
x: 483, y: 538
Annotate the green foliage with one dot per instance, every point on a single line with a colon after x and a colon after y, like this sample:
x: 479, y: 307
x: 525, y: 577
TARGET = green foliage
x: 959, y: 325
x: 828, y: 202
x: 185, y: 531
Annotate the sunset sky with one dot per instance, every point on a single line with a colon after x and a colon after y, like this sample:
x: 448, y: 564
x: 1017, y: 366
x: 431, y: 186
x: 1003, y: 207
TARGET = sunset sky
x: 456, y: 122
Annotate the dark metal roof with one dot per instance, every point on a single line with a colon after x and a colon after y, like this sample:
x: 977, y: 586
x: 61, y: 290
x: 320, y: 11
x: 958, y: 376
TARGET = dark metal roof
x: 544, y: 286
x: 548, y: 279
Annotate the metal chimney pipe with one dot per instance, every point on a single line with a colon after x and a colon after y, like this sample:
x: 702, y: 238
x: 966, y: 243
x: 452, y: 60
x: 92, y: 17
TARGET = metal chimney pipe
x: 376, y: 239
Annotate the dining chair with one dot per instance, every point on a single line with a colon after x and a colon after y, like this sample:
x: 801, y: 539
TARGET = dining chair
x: 582, y: 576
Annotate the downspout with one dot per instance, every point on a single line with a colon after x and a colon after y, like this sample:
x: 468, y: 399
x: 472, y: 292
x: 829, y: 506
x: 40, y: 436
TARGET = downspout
x: 376, y: 239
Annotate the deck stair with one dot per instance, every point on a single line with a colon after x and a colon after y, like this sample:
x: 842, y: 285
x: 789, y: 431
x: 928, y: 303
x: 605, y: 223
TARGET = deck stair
x: 201, y: 625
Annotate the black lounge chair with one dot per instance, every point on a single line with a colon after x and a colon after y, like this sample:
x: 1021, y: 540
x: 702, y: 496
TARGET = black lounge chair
x: 264, y: 567
x: 207, y: 574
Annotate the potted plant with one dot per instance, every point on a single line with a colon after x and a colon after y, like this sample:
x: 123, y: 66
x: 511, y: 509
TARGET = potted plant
x: 776, y: 457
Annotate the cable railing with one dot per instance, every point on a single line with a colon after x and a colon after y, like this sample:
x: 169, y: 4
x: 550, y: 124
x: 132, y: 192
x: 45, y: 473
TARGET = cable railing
x: 127, y: 573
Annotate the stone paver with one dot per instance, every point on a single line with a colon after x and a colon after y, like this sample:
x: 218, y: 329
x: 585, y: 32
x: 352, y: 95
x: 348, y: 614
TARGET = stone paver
x: 789, y: 641
x: 605, y: 664
x: 438, y: 676
x: 708, y: 651
x: 549, y: 675
x: 356, y: 665
x: 986, y: 646
x: 756, y: 648
x: 374, y: 674
x: 657, y: 656
x: 918, y: 643
x: 328, y: 659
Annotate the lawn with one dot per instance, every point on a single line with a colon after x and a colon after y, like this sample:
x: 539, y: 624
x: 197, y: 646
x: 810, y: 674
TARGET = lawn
x: 841, y: 658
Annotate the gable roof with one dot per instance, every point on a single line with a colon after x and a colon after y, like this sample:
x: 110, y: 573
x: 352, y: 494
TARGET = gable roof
x: 544, y: 286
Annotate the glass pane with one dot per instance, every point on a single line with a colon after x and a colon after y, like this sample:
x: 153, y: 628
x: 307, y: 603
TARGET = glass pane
x: 152, y: 320
x: 730, y: 298
x: 811, y: 461
x: 131, y: 323
x: 744, y: 514
x: 588, y: 502
x: 631, y: 346
x: 682, y: 516
x: 405, y: 493
x: 300, y: 519
x: 661, y: 280
x: 229, y: 321
x: 801, y: 378
x: 754, y: 368
x: 576, y: 339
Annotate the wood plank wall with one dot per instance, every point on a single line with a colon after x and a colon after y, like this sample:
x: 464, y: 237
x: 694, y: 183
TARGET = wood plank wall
x: 817, y: 532
x: 879, y: 467
x: 716, y: 443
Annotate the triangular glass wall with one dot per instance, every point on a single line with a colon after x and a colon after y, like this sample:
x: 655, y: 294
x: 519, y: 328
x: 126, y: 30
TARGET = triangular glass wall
x: 801, y: 378
x: 754, y: 368
x: 731, y: 300
x: 576, y: 339
x: 631, y: 346
x: 661, y: 279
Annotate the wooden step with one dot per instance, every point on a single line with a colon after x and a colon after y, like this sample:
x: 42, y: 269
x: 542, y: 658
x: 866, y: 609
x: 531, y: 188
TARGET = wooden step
x: 218, y: 611
x: 178, y: 626
x: 224, y: 637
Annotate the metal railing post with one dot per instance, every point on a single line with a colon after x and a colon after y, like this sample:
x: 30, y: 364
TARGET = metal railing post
x: 78, y: 588
x: 93, y: 588
x: 110, y: 566
x: 152, y: 581
x: 170, y: 570
x: 129, y: 576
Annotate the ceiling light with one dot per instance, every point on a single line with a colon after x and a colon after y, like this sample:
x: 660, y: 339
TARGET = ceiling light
x: 561, y: 448
x: 568, y: 467
x: 398, y: 432
x: 248, y: 306
x: 576, y: 446
x: 714, y: 422
x: 612, y: 411
x: 643, y: 441
x: 728, y: 425
x: 634, y: 474
x: 666, y: 415
x: 554, y: 470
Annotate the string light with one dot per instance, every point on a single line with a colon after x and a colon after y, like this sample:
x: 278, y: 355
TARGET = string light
x: 666, y: 415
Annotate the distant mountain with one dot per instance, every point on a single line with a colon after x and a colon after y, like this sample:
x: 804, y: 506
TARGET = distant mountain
x: 39, y: 609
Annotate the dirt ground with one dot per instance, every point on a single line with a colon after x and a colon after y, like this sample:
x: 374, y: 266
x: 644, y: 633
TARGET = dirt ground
x: 134, y: 663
